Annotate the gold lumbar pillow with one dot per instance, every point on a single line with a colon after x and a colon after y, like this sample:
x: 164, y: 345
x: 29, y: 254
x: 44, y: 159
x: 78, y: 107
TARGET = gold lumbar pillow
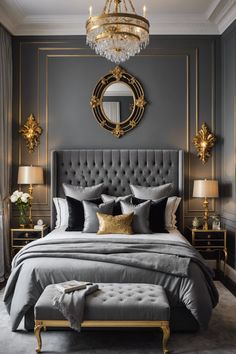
x: 119, y: 224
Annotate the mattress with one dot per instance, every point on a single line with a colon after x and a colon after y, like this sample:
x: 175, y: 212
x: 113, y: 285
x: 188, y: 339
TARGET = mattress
x: 172, y: 235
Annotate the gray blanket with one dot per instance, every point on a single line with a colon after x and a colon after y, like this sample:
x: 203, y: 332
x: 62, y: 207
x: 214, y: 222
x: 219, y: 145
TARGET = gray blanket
x: 176, y: 266
x: 72, y: 304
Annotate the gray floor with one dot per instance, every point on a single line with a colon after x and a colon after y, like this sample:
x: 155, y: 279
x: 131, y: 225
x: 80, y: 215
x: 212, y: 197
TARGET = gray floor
x: 219, y: 339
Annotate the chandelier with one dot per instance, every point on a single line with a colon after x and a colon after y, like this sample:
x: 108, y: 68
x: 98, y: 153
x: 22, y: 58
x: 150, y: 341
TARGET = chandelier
x: 118, y: 33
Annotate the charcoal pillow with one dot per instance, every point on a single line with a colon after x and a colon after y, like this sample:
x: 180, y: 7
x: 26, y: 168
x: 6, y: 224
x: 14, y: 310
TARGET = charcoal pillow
x: 83, y: 193
x: 157, y: 213
x: 152, y: 192
x: 141, y: 212
x: 76, y: 213
x: 91, y: 223
x: 117, y: 200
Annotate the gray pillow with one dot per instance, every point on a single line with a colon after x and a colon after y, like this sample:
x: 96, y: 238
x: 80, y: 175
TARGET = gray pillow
x: 109, y: 198
x: 152, y: 192
x: 91, y: 223
x: 141, y: 212
x: 83, y: 193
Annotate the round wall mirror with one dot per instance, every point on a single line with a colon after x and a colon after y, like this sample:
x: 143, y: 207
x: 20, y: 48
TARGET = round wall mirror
x: 118, y: 102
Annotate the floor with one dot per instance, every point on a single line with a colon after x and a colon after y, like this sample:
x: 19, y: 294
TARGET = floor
x: 219, y: 339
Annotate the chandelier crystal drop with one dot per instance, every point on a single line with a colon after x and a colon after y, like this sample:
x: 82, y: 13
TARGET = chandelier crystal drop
x: 118, y: 33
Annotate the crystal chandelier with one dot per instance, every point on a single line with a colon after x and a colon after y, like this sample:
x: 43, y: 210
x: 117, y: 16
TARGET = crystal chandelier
x: 118, y: 33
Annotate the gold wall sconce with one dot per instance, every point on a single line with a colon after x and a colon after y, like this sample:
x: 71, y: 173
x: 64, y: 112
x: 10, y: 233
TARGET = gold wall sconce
x: 31, y: 132
x: 204, y: 142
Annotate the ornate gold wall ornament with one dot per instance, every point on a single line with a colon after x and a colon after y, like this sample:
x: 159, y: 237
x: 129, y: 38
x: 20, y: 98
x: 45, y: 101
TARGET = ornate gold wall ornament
x: 204, y: 142
x: 31, y: 132
x: 117, y: 72
x: 118, y: 132
x: 95, y: 101
x: 115, y: 88
x: 140, y: 102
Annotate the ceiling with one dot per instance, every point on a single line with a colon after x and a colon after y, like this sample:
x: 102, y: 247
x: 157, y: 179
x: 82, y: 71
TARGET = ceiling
x: 68, y: 17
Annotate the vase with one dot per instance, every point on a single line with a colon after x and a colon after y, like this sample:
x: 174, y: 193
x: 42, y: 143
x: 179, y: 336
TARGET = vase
x: 22, y: 217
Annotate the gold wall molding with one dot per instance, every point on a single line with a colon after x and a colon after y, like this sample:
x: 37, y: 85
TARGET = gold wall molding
x: 45, y: 53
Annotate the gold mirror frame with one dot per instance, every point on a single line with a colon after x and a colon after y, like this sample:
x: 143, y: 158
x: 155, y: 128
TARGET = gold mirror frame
x: 118, y: 75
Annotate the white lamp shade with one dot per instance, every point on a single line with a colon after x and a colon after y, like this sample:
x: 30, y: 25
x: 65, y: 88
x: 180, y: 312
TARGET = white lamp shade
x: 30, y: 175
x: 205, y: 189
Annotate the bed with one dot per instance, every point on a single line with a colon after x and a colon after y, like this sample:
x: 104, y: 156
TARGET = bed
x: 164, y: 258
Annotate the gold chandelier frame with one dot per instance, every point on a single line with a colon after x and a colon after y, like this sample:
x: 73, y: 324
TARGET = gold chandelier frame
x: 119, y: 22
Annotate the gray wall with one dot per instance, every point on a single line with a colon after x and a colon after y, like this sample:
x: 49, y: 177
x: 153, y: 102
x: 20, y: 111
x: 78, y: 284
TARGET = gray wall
x: 228, y: 173
x: 54, y: 79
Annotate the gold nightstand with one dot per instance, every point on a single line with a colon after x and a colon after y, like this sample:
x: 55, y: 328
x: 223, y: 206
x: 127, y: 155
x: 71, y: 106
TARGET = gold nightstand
x: 21, y: 237
x: 211, y: 241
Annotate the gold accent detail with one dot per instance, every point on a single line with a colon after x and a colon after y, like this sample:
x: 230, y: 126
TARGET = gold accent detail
x: 204, y: 142
x: 140, y: 102
x: 137, y: 108
x: 166, y: 336
x: 132, y: 123
x: 117, y: 73
x: 95, y: 101
x: 31, y: 132
x: 206, y: 214
x: 118, y: 132
x: 119, y: 224
x: 102, y: 123
x: 37, y: 332
x: 164, y: 325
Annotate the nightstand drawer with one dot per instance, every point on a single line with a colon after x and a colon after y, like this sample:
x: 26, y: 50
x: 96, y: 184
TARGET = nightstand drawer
x: 22, y: 237
x: 22, y: 242
x: 209, y: 243
x: 209, y: 235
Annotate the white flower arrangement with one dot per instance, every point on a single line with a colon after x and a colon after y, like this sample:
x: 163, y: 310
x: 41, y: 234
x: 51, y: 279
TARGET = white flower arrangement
x: 22, y: 201
x: 20, y: 198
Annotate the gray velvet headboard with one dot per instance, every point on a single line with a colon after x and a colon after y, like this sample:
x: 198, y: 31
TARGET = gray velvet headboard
x: 116, y: 169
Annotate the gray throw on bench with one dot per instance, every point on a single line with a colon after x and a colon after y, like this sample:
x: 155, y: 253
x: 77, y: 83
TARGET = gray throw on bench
x: 72, y: 304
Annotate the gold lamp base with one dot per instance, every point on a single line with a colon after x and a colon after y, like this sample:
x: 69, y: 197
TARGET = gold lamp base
x: 206, y: 214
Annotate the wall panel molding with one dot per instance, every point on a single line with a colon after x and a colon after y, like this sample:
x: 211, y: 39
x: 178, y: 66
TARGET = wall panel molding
x: 39, y: 55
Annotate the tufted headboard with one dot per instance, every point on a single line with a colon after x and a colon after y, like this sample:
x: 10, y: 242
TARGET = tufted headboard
x: 116, y: 169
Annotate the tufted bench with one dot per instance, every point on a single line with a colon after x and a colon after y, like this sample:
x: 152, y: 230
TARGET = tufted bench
x: 113, y: 305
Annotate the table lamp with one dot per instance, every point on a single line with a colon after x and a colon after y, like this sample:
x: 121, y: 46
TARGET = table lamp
x: 30, y: 175
x: 205, y: 189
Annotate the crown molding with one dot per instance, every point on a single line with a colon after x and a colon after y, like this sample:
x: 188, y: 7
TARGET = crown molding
x: 219, y: 15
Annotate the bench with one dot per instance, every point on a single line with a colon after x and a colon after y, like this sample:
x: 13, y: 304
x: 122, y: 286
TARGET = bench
x: 113, y: 305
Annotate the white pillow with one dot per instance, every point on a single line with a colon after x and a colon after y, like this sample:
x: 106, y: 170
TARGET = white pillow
x: 171, y: 208
x: 62, y: 212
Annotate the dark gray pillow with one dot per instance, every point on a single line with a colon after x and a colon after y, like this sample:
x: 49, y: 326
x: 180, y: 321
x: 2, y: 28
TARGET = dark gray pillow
x: 117, y: 207
x: 141, y: 212
x: 91, y: 223
x: 83, y: 193
x: 152, y: 193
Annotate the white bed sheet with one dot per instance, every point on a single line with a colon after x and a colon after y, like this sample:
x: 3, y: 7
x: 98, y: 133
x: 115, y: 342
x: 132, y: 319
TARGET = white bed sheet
x: 173, y: 235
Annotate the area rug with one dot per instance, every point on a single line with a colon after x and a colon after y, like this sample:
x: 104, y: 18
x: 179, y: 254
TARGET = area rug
x: 220, y: 338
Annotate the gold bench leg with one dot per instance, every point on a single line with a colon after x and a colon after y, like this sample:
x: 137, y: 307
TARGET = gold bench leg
x: 37, y: 332
x: 166, y: 336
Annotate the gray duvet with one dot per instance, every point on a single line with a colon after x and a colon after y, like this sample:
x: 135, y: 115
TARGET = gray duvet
x: 174, y: 265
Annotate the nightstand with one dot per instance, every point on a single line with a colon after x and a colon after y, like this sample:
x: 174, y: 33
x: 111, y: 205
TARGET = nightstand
x: 21, y: 237
x: 213, y: 241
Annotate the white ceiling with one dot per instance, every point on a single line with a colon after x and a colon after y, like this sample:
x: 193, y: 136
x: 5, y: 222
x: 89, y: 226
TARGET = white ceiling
x: 68, y: 17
